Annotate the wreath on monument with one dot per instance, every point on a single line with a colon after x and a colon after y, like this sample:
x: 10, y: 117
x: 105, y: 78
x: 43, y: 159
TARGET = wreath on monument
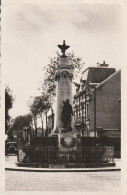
x: 66, y: 144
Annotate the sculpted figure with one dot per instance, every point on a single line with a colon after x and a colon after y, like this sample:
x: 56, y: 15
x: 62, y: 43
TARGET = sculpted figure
x: 67, y: 113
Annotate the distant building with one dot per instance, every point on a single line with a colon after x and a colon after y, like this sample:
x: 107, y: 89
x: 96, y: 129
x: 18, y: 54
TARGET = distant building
x: 50, y: 123
x: 91, y: 77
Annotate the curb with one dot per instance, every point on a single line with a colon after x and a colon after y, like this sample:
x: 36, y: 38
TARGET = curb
x: 62, y: 170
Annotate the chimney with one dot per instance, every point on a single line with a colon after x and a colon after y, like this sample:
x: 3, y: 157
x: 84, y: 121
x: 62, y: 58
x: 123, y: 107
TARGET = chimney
x: 98, y: 64
x: 103, y: 65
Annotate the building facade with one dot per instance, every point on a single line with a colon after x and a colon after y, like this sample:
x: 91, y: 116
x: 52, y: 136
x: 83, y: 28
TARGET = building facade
x: 105, y: 107
x: 91, y: 78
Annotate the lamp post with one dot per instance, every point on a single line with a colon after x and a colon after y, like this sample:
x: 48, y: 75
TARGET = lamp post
x: 95, y: 111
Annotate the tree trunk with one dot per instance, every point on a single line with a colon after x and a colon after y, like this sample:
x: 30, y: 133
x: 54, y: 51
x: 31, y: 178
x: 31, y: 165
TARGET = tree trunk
x: 35, y: 125
x: 52, y: 118
x: 25, y: 136
x: 27, y: 139
x: 46, y: 133
x: 22, y: 138
x: 42, y: 124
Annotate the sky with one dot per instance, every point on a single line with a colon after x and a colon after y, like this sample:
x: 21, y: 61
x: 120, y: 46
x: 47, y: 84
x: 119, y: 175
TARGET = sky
x: 32, y: 31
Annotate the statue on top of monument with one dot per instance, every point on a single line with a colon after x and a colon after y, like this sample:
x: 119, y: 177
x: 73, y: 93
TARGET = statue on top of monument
x: 63, y: 48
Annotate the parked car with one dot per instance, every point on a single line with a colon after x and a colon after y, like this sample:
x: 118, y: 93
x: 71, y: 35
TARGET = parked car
x: 11, y: 148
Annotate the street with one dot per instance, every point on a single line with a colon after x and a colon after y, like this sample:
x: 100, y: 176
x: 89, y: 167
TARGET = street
x: 61, y: 181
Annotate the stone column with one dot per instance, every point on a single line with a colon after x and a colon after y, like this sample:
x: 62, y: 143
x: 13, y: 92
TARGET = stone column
x: 63, y: 90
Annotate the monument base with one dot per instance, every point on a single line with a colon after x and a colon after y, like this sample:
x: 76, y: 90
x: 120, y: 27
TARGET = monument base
x: 67, y: 165
x: 67, y: 141
x: 65, y: 151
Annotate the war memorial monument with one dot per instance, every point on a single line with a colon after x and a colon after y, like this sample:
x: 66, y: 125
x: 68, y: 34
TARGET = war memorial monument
x: 68, y: 151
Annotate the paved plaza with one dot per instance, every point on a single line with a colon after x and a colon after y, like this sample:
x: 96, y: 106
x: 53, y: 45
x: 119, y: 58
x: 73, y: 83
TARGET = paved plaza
x: 70, y: 181
x: 60, y: 181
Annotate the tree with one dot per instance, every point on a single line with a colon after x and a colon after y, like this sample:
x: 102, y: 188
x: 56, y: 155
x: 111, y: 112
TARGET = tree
x: 39, y: 107
x: 8, y: 105
x: 22, y: 122
x: 49, y: 83
x: 34, y: 112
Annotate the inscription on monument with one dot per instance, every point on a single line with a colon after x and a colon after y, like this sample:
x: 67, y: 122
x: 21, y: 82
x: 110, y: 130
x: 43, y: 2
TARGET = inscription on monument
x: 65, y: 89
x: 64, y: 60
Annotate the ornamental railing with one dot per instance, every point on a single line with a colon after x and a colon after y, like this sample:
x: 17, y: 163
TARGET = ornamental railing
x: 30, y: 154
x: 95, y: 154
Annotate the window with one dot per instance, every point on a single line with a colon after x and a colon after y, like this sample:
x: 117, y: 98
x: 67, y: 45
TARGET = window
x: 103, y: 72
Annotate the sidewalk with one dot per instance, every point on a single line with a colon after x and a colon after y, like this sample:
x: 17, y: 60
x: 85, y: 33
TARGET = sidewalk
x: 10, y: 165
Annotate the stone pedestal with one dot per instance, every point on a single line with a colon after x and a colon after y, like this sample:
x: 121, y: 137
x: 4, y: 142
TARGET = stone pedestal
x: 63, y: 91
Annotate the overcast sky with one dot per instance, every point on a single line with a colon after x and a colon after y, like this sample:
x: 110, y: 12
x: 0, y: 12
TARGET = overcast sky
x: 32, y: 31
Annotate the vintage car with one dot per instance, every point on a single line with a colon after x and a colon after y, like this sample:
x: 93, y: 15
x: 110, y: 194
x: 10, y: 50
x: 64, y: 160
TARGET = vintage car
x: 10, y: 148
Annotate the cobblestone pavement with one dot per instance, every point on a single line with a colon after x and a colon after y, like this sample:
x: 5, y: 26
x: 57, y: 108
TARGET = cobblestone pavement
x: 61, y: 181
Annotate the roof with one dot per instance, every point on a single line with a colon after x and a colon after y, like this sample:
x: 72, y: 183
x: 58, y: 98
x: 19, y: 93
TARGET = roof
x: 112, y: 75
x: 99, y: 67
